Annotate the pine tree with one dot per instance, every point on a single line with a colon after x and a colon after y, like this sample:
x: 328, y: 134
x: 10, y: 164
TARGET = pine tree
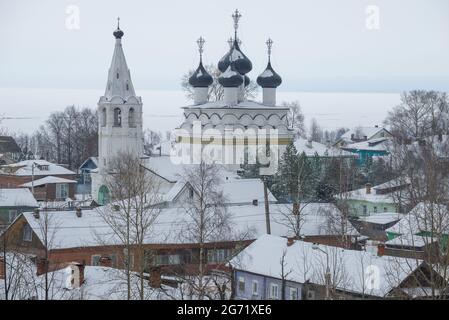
x: 285, y: 184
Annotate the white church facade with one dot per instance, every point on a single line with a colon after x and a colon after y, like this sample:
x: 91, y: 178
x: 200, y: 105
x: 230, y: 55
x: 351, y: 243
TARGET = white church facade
x: 224, y: 123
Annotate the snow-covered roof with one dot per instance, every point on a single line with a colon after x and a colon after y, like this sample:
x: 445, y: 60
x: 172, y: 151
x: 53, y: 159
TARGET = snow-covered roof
x: 382, y: 218
x: 360, y: 194
x: 19, y: 197
x: 41, y: 168
x: 93, y: 159
x: 378, y: 144
x: 312, y: 148
x: 165, y: 146
x: 241, y: 105
x: 240, y: 191
x: 411, y: 240
x: 47, y: 180
x: 165, y: 167
x: 361, y: 132
x: 420, y: 219
x: 349, y: 268
x: 100, y: 283
x: 315, y: 219
x: 69, y: 231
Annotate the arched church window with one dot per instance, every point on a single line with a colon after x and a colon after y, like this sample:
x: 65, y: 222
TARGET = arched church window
x: 132, y: 118
x: 117, y: 75
x: 117, y: 117
x: 103, y: 117
x: 127, y: 86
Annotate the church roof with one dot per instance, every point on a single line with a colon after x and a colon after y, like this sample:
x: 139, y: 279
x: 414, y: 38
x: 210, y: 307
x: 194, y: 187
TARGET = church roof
x: 247, y: 104
x: 119, y: 77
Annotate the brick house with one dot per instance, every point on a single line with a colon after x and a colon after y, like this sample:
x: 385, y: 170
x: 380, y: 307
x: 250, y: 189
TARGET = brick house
x: 84, y: 237
x: 51, y: 182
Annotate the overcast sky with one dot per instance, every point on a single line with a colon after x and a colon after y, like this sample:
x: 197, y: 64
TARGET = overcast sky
x: 319, y: 45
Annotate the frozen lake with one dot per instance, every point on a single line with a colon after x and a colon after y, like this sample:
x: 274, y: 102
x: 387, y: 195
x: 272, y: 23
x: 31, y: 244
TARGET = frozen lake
x: 26, y: 109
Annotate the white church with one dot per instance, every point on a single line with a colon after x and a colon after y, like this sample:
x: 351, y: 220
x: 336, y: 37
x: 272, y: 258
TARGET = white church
x: 225, y: 122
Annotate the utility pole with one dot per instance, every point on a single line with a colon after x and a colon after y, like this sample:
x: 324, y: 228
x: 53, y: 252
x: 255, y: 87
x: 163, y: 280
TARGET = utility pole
x: 327, y: 275
x: 32, y: 177
x: 267, y: 206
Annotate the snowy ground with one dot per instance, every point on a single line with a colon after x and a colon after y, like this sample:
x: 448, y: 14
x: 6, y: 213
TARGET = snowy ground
x: 26, y: 109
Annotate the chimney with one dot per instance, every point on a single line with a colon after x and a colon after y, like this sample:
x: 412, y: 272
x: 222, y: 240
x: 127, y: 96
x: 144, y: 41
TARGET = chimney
x: 255, y: 202
x: 77, y: 274
x: 41, y: 266
x: 155, y: 277
x: 296, y: 208
x: 368, y: 188
x: 269, y: 96
x: 105, y: 261
x: 2, y: 268
x: 231, y: 96
x: 381, y: 249
x: 200, y: 95
x: 290, y: 241
x: 79, y: 212
x: 36, y: 213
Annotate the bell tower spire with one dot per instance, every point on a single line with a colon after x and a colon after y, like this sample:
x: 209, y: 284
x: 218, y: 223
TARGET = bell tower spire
x: 119, y: 116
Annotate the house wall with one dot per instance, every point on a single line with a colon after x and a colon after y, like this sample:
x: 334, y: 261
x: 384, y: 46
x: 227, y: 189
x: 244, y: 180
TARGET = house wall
x: 264, y: 287
x: 12, y: 181
x: 4, y: 214
x: 356, y: 207
x: 85, y: 255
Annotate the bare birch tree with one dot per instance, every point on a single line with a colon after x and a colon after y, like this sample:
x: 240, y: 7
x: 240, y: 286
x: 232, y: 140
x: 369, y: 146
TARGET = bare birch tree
x: 132, y: 213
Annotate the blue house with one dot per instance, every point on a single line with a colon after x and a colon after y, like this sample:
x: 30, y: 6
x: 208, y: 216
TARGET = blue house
x: 368, y: 149
x: 84, y: 180
x: 253, y: 286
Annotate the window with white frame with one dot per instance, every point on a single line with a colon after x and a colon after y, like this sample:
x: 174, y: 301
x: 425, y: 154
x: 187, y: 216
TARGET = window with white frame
x: 62, y: 190
x: 27, y: 233
x: 274, y: 291
x: 293, y: 294
x: 255, y: 287
x: 241, y: 284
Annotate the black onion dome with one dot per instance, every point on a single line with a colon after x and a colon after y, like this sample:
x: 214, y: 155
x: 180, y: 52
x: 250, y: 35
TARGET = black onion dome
x: 247, y: 80
x: 224, y: 62
x: 200, y: 78
x: 118, y: 34
x: 241, y: 62
x: 269, y: 78
x: 230, y: 78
